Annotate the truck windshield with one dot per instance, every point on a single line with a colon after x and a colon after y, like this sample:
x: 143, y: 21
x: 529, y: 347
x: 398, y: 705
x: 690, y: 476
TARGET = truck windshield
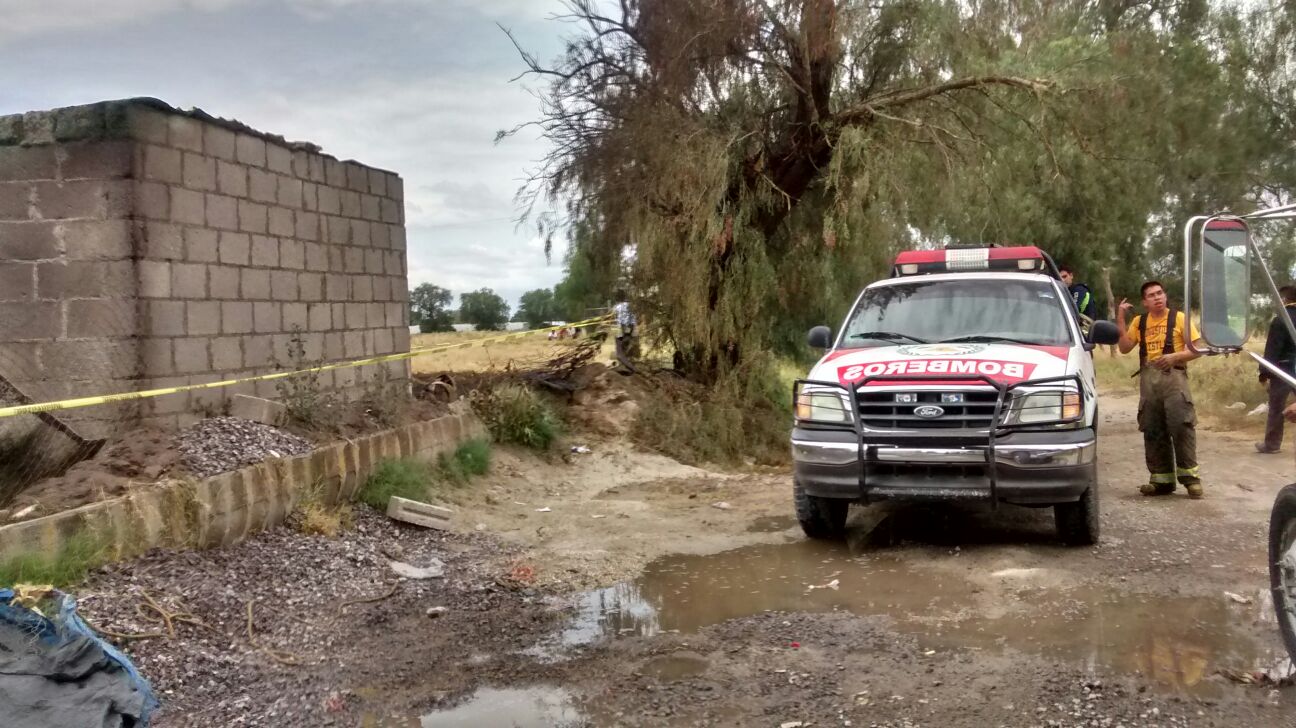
x: 999, y: 310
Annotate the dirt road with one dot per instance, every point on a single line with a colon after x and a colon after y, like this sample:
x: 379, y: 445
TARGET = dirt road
x: 652, y: 593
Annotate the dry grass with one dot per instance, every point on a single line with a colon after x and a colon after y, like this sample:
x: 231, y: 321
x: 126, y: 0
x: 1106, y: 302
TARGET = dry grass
x: 484, y: 357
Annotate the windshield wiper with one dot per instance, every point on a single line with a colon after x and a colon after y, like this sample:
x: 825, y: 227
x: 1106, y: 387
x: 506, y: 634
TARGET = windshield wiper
x: 988, y: 338
x: 888, y: 336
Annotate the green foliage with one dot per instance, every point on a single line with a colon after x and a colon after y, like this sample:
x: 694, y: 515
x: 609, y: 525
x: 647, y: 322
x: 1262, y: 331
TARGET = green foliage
x: 517, y: 415
x: 307, y: 403
x: 74, y: 559
x: 470, y: 459
x: 430, y: 308
x: 484, y: 309
x: 404, y: 478
x: 538, y: 308
x: 386, y: 399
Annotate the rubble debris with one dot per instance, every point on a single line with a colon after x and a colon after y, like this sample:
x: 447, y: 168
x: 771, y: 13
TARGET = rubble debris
x: 435, y: 569
x: 419, y: 513
x: 221, y: 444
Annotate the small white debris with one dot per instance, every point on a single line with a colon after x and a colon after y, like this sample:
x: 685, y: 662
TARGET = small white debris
x: 834, y: 584
x: 1238, y: 598
x: 724, y: 506
x: 546, y: 509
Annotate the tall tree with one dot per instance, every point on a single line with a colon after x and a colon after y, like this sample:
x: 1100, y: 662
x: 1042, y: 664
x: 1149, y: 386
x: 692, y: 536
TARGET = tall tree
x: 430, y: 308
x: 537, y: 308
x: 483, y: 308
x: 739, y: 148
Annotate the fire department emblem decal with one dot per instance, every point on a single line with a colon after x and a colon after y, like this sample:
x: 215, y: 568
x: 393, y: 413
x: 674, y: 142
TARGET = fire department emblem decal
x: 941, y: 349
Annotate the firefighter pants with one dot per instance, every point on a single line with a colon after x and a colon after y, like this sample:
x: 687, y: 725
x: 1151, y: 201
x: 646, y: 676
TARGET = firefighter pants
x: 1169, y: 425
x: 1278, y: 393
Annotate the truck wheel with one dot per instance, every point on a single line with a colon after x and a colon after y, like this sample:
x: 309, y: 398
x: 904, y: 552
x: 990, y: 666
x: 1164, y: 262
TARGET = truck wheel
x: 821, y: 518
x: 1077, y: 523
x: 1282, y: 564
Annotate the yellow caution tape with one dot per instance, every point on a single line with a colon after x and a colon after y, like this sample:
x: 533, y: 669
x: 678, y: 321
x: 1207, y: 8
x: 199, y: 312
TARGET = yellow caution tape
x: 30, y: 409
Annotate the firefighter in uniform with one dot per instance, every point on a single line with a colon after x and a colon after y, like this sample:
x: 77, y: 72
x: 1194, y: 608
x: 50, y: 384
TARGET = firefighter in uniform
x: 1165, y: 413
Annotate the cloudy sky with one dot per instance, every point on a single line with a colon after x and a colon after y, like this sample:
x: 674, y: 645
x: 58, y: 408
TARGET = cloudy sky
x: 415, y: 86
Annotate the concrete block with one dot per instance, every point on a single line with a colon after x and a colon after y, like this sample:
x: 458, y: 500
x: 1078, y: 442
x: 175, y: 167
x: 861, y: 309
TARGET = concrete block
x: 308, y: 226
x: 310, y: 286
x: 339, y: 315
x: 24, y: 164
x: 83, y: 199
x: 258, y: 352
x: 395, y: 187
x: 334, y: 173
x: 395, y: 263
x: 262, y: 186
x: 353, y: 345
x: 377, y: 183
x: 351, y: 204
x: 278, y: 159
x: 316, y: 165
x: 163, y: 164
x: 267, y: 318
x: 226, y: 354
x: 337, y: 230
x: 392, y: 212
x: 289, y: 192
x: 156, y: 357
x: 199, y: 172
x: 378, y: 235
x: 354, y: 259
x: 370, y: 209
x: 18, y: 281
x: 152, y: 201
x: 35, y: 240
x: 316, y: 257
x: 283, y: 285
x: 418, y: 513
x: 252, y: 217
x: 86, y: 279
x: 381, y: 288
x: 185, y: 132
x: 223, y: 282
x: 310, y: 197
x: 383, y: 343
x: 232, y: 179
x: 397, y: 315
x: 375, y: 261
x: 165, y: 318
x: 375, y: 317
x: 256, y: 409
x: 93, y: 359
x: 250, y: 150
x: 355, y: 316
x: 162, y: 241
x: 236, y: 317
x: 218, y: 142
x: 401, y: 340
x: 292, y: 254
x: 301, y: 164
x: 294, y: 316
x: 256, y: 285
x: 145, y: 124
x: 357, y: 177
x: 16, y: 201
x: 203, y: 318
x: 361, y: 233
x: 79, y: 122
x: 235, y: 248
x: 333, y: 346
x: 282, y: 223
x: 187, y: 207
x: 96, y: 318
x: 188, y: 280
x: 93, y: 239
x: 38, y: 127
x: 202, y: 244
x: 191, y: 356
x: 330, y: 200
x: 362, y: 288
x: 222, y: 212
x: 11, y: 131
x: 320, y: 317
x: 94, y: 160
x: 30, y: 321
x: 265, y: 251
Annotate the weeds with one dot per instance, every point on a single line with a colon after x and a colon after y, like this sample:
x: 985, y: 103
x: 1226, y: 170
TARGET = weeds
x: 517, y: 415
x: 75, y: 558
x: 314, y: 517
x: 470, y: 459
x: 1218, y: 383
x: 745, y: 415
x: 415, y: 480
x: 385, y: 400
x: 307, y: 404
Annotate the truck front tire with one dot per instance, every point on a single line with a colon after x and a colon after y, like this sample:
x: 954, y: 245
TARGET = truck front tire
x: 820, y: 518
x: 1077, y: 523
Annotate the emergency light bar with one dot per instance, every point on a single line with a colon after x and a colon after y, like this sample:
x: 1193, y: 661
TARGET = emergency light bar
x: 1027, y: 258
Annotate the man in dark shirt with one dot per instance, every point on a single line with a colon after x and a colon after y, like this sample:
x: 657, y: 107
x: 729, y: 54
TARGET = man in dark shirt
x: 1279, y: 350
x: 1080, y: 293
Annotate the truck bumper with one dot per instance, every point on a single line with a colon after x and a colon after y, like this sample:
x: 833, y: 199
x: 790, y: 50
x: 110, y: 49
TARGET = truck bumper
x: 1032, y: 468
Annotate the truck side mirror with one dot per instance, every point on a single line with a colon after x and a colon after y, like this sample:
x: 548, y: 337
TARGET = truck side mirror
x: 820, y: 337
x: 1224, y: 282
x: 1104, y: 333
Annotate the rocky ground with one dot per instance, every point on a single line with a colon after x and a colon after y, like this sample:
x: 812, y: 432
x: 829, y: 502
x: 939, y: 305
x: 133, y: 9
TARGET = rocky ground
x: 653, y: 593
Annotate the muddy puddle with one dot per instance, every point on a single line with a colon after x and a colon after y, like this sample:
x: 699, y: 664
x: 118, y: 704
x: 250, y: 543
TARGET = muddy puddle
x: 1176, y: 642
x: 533, y: 707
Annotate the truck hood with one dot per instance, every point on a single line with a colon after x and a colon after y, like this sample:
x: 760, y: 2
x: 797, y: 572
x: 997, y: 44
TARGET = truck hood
x: 1005, y: 363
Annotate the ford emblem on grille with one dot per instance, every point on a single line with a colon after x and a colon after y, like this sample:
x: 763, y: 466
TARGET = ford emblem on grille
x: 929, y: 411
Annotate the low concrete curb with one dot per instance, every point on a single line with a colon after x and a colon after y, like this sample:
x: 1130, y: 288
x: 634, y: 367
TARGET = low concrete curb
x: 226, y: 508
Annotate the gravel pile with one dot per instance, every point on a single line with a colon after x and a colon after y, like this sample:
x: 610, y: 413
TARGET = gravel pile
x: 221, y: 444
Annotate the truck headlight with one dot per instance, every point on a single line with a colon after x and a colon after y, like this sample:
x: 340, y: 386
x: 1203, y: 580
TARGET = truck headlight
x: 821, y: 406
x: 1037, y: 408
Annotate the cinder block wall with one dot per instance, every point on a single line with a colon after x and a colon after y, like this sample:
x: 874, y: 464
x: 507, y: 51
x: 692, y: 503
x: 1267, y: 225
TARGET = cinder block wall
x: 149, y: 247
